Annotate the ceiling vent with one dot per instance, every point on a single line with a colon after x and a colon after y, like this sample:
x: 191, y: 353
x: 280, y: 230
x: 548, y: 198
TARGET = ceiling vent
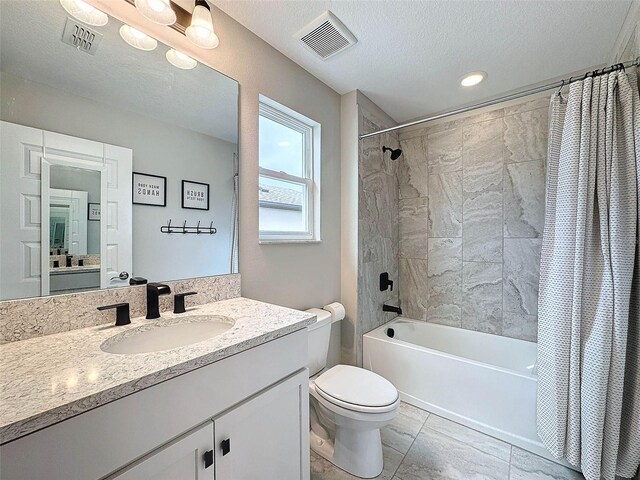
x: 81, y: 37
x: 326, y: 36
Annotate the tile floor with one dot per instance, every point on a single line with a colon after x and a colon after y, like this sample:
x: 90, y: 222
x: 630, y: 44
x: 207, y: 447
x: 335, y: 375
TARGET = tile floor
x: 419, y: 445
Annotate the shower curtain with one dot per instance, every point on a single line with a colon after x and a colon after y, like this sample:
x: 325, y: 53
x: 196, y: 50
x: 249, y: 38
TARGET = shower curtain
x: 588, y: 402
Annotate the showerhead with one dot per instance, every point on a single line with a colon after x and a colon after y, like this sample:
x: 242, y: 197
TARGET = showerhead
x: 395, y: 152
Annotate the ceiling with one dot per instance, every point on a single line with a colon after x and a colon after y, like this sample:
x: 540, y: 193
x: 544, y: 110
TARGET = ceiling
x: 411, y: 54
x: 117, y: 75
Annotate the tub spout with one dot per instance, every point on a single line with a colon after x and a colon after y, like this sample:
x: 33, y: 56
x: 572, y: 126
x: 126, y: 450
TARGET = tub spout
x: 390, y: 308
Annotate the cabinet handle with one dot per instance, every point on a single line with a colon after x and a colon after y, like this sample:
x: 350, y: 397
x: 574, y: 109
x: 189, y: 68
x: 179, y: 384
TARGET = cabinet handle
x: 208, y: 458
x: 226, y: 446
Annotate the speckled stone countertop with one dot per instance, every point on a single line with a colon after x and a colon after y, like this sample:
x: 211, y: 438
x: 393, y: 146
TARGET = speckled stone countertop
x: 74, y: 269
x: 49, y: 379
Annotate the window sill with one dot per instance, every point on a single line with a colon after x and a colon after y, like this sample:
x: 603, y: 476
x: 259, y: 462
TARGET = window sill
x: 291, y: 241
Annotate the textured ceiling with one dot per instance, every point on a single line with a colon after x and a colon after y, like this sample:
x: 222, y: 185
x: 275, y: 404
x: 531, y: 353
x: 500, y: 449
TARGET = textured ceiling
x: 118, y: 75
x: 411, y: 54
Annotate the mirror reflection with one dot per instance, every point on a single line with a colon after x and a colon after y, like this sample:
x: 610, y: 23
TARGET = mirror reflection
x: 101, y: 148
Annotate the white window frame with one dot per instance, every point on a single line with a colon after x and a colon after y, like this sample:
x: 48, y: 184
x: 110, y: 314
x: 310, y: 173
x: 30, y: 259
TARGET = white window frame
x: 311, y: 131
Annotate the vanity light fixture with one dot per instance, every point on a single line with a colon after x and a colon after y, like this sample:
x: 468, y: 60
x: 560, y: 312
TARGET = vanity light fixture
x: 84, y: 12
x: 472, y: 78
x: 137, y: 39
x: 200, y: 31
x: 158, y: 11
x: 180, y: 60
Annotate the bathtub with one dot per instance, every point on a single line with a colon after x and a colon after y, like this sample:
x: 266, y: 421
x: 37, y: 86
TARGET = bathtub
x: 486, y: 382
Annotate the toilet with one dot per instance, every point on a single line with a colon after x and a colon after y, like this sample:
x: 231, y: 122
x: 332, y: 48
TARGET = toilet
x: 348, y: 407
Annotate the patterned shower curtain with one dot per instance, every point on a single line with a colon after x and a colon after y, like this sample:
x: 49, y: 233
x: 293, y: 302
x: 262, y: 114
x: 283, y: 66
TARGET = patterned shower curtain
x: 588, y: 402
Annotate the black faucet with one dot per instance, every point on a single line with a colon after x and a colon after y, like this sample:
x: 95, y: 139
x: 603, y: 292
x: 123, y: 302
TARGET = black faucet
x: 390, y: 308
x: 178, y: 301
x: 122, y: 313
x: 154, y: 290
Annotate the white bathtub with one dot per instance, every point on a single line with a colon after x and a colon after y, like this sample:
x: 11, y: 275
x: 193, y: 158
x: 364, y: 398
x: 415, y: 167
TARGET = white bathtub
x: 486, y: 382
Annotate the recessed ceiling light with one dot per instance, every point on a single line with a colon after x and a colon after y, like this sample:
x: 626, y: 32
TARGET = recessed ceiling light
x: 472, y: 78
x: 180, y: 60
x: 137, y: 39
x: 158, y: 11
x: 284, y: 144
x: 85, y: 13
x: 201, y: 31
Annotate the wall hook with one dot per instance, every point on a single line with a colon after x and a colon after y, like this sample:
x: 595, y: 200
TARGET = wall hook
x: 184, y: 227
x: 198, y: 228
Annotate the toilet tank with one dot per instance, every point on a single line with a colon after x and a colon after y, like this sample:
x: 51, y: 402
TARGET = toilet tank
x: 319, y: 336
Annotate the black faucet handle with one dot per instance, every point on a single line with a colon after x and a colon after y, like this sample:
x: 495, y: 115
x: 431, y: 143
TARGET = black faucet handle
x: 161, y: 288
x: 385, y: 283
x: 122, y: 313
x: 178, y: 301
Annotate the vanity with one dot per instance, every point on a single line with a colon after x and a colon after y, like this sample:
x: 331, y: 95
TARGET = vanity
x: 119, y: 169
x: 232, y: 406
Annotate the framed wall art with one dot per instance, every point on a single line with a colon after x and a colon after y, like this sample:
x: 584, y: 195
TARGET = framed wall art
x: 149, y: 189
x: 195, y: 195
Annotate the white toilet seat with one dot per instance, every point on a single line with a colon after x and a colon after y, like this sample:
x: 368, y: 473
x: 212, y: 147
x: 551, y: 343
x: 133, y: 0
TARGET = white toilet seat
x: 357, y: 390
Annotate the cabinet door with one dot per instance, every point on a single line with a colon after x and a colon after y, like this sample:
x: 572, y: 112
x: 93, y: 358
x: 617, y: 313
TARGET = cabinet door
x: 183, y: 459
x: 266, y: 437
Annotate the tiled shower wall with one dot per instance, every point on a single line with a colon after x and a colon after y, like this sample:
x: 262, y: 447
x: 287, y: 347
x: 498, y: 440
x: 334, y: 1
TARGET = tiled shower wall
x: 377, y: 228
x: 471, y: 207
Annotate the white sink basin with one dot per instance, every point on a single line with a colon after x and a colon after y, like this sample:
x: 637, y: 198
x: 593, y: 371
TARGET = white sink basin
x: 167, y: 334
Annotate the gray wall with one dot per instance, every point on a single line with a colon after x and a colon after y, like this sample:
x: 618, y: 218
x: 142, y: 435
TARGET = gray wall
x: 158, y: 148
x: 471, y: 219
x: 303, y: 275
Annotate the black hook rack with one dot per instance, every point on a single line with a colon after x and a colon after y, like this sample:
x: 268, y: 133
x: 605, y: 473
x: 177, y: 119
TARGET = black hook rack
x: 184, y: 229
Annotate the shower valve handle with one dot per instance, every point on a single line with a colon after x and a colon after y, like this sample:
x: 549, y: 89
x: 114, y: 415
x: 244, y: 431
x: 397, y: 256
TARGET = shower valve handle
x: 385, y: 283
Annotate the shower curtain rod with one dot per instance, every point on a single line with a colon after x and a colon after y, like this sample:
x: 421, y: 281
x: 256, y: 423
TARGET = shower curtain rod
x: 550, y: 86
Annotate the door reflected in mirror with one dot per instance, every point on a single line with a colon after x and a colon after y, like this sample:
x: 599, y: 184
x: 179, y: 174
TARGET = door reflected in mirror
x: 74, y: 240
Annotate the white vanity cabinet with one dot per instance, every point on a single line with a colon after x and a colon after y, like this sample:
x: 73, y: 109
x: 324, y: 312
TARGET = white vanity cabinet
x: 182, y: 459
x: 259, y: 438
x: 256, y: 399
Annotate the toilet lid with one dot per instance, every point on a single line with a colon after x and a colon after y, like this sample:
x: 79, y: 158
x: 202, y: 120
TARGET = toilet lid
x: 356, y: 386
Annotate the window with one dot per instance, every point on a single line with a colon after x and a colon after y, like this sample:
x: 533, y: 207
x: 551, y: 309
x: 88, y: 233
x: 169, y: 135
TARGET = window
x: 289, y: 175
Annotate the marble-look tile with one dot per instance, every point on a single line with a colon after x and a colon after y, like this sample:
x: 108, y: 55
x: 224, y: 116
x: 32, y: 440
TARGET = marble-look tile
x: 521, y: 273
x: 526, y: 135
x: 412, y: 168
x: 479, y: 441
x: 482, y: 225
x: 527, y: 466
x: 519, y: 325
x: 401, y: 433
x: 482, y: 191
x: 482, y: 297
x: 322, y: 469
x: 532, y: 103
x: 412, y: 288
x: 445, y: 281
x: 444, y: 151
x: 378, y: 202
x: 524, y: 199
x: 445, y: 204
x: 370, y: 157
x: 413, y: 227
x: 435, y: 456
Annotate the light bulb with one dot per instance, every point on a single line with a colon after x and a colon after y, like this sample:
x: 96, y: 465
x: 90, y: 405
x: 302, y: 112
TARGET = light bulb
x: 137, y: 39
x: 180, y: 60
x: 85, y: 13
x: 200, y: 31
x: 158, y: 11
x: 473, y: 78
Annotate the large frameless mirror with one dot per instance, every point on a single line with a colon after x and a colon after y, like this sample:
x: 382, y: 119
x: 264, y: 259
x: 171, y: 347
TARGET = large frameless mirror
x: 114, y: 161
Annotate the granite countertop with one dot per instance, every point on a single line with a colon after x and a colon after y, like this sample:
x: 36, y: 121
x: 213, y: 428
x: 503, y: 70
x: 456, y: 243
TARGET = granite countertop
x: 74, y: 269
x: 48, y: 379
